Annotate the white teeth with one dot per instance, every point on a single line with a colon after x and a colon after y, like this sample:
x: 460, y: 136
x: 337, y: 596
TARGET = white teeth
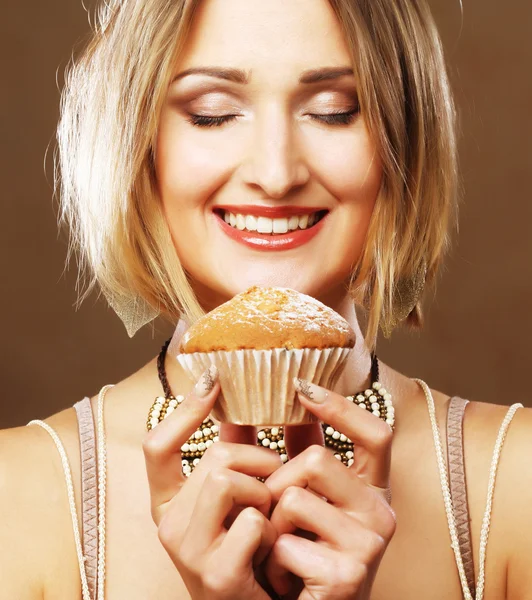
x: 303, y: 222
x: 251, y: 223
x: 280, y: 225
x: 264, y: 225
x: 267, y: 225
x: 240, y: 222
x: 293, y: 223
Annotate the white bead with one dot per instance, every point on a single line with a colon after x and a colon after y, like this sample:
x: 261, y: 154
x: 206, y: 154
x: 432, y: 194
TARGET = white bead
x: 180, y: 398
x: 391, y: 410
x: 361, y: 398
x: 196, y: 461
x: 350, y: 398
x: 261, y: 435
x: 284, y: 457
x: 390, y: 420
x: 209, y: 443
x: 160, y: 400
x: 368, y: 393
x: 154, y: 422
x: 273, y: 445
x: 188, y: 473
x: 206, y: 432
x: 169, y: 410
x: 280, y: 443
x: 336, y: 435
x: 329, y: 430
x: 193, y: 447
x: 198, y: 435
x: 350, y: 462
x: 376, y: 413
x: 215, y: 428
x: 185, y: 448
x: 387, y: 402
x: 205, y: 420
x: 187, y: 469
x: 202, y: 446
x: 265, y: 442
x: 156, y: 411
x: 377, y: 385
x: 362, y: 405
x: 338, y: 456
x: 373, y: 398
x: 375, y: 406
x: 382, y: 391
x: 343, y: 438
x: 275, y: 431
x: 215, y: 438
x: 349, y: 454
x: 184, y: 462
x: 387, y: 396
x: 350, y: 440
x: 173, y: 402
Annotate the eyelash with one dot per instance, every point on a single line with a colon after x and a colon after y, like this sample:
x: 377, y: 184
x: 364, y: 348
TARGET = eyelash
x: 338, y: 118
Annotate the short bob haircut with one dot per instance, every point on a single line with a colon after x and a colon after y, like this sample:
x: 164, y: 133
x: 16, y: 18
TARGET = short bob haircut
x: 110, y: 108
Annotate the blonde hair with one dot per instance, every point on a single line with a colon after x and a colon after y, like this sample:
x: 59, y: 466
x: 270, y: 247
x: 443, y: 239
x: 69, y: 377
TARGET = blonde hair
x: 110, y: 107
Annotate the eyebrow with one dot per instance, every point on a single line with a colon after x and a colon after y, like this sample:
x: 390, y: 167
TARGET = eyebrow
x: 240, y: 76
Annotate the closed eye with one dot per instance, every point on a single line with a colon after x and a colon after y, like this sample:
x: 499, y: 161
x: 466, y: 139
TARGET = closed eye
x: 334, y: 118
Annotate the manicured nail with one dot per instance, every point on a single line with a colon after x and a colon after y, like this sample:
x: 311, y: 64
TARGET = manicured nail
x: 206, y: 382
x: 314, y: 393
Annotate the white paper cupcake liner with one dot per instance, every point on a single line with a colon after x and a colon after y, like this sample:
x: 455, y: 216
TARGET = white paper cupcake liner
x: 257, y: 385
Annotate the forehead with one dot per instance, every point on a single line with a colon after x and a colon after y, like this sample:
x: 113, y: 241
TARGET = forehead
x: 277, y: 37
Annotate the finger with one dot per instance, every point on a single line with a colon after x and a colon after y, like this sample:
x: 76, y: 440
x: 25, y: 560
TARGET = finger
x: 300, y: 509
x: 371, y: 436
x: 162, y: 445
x: 222, y: 490
x: 317, y: 469
x: 303, y: 558
x: 299, y: 437
x: 251, y: 537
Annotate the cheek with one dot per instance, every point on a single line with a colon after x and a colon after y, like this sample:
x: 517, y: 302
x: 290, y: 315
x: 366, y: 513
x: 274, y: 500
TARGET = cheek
x: 189, y: 165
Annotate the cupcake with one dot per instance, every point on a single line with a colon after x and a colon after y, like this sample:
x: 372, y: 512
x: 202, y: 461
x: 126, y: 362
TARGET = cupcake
x: 260, y: 340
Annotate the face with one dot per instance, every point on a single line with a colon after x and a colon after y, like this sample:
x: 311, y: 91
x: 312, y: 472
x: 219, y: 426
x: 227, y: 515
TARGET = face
x: 265, y: 167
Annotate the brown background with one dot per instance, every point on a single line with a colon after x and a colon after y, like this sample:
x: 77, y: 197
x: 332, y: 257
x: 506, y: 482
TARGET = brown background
x: 478, y: 331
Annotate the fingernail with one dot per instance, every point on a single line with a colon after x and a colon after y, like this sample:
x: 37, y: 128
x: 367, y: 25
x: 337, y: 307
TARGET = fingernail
x: 314, y: 393
x: 206, y: 382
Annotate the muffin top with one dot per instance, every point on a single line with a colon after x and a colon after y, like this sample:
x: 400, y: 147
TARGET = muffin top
x: 263, y: 318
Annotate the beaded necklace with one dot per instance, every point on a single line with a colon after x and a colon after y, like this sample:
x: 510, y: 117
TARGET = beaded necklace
x: 375, y: 398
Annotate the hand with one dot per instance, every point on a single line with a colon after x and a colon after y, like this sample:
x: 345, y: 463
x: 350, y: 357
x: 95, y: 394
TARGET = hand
x: 213, y: 524
x: 344, y: 508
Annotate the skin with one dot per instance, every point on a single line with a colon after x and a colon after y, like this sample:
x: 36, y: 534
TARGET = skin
x: 276, y: 151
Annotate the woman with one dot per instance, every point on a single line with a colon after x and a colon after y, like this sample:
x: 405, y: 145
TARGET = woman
x: 181, y: 122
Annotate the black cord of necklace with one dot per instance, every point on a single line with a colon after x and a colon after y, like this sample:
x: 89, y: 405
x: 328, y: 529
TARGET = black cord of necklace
x: 161, y: 370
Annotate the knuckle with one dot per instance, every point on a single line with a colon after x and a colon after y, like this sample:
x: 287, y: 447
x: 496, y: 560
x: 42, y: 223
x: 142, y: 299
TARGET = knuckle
x: 375, y: 545
x: 316, y: 458
x: 253, y: 517
x: 220, y: 453
x: 383, y: 436
x: 350, y: 574
x: 291, y: 499
x: 219, y: 479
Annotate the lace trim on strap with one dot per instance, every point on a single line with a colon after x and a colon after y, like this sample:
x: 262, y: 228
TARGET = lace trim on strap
x: 89, y: 490
x: 458, y: 487
x: 71, y: 501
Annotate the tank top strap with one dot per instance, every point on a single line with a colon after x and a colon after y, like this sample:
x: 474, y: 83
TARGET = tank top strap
x: 457, y: 484
x: 71, y: 501
x: 89, y: 490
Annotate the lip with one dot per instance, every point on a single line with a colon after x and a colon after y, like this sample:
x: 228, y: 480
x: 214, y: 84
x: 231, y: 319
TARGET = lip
x: 270, y: 211
x: 267, y: 242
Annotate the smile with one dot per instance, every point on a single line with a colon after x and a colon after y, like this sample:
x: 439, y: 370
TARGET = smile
x: 280, y: 229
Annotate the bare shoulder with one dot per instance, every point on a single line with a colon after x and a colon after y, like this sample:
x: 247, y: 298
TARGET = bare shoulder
x: 36, y: 525
x: 31, y: 494
x: 512, y: 502
x: 511, y: 509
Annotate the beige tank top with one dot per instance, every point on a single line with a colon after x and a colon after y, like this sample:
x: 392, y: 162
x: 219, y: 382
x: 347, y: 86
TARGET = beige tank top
x: 88, y: 562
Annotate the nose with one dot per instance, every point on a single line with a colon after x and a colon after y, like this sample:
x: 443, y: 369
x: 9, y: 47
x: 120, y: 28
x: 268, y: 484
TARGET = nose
x: 275, y: 161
